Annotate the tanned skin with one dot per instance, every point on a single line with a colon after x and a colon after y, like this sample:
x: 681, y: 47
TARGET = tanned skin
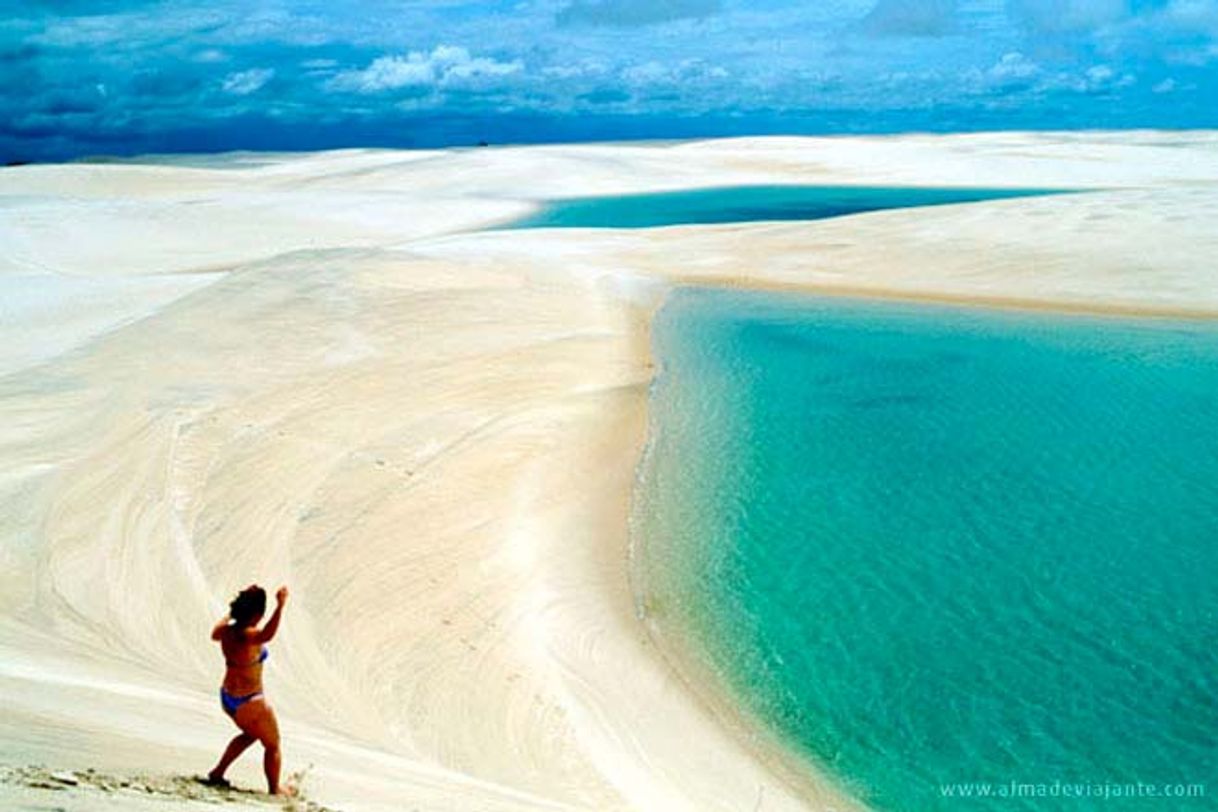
x: 242, y: 647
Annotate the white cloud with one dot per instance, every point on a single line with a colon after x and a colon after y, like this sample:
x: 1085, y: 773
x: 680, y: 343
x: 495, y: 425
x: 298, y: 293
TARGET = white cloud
x: 583, y: 69
x: 1102, y: 77
x: 1099, y: 74
x: 1013, y: 68
x: 645, y: 73
x: 1014, y: 73
x: 388, y: 72
x: 685, y: 71
x: 446, y: 64
x: 1166, y: 86
x: 1096, y: 79
x: 211, y: 56
x: 243, y: 83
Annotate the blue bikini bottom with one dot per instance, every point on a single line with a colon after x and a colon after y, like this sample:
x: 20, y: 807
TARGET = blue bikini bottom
x: 231, y: 703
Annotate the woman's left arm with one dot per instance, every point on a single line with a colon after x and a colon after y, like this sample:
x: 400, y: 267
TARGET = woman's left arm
x: 218, y: 630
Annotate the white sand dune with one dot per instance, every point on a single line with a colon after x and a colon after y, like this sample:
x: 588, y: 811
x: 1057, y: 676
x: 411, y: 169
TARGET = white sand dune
x: 314, y: 369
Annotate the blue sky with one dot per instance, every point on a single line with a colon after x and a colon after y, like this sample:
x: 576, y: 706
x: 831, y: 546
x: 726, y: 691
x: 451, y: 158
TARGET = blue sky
x: 83, y: 77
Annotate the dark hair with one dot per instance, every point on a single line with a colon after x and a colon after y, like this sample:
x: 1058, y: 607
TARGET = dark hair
x: 249, y: 604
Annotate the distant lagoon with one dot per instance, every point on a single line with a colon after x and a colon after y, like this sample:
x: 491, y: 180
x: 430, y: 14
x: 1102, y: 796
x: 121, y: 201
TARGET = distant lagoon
x: 742, y: 204
x: 938, y: 550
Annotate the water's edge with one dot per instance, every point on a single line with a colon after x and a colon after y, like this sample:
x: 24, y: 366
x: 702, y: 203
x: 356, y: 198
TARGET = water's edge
x: 677, y: 648
x: 676, y: 643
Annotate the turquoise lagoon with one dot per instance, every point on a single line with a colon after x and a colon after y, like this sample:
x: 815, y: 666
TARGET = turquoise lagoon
x: 742, y: 204
x: 927, y: 546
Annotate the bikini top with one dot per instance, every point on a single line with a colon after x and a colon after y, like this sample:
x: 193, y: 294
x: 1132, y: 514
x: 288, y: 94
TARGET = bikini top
x: 261, y: 659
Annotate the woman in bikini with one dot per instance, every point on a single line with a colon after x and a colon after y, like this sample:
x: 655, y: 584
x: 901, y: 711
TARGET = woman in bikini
x: 244, y: 647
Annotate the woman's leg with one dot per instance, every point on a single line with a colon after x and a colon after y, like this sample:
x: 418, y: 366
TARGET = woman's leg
x: 236, y: 747
x: 272, y: 761
x: 258, y: 720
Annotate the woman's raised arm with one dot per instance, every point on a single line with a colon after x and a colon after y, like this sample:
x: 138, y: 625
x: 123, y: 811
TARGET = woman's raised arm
x: 267, y: 632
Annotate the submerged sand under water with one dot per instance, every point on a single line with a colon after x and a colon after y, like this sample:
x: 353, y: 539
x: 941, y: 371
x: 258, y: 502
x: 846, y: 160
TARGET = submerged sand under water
x: 431, y: 432
x: 935, y: 547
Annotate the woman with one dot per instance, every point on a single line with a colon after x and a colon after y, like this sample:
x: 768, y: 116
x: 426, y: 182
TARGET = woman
x: 244, y: 647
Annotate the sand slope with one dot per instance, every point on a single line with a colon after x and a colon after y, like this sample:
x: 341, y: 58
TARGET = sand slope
x: 38, y: 788
x: 312, y: 369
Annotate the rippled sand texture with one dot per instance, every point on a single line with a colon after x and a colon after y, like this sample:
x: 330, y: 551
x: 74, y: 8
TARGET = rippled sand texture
x: 309, y: 369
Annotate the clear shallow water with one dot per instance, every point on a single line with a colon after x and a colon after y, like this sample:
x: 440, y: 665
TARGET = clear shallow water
x: 742, y: 204
x: 930, y: 545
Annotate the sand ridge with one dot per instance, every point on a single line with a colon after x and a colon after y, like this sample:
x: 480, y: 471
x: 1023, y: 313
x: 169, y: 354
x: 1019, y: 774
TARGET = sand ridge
x: 430, y: 432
